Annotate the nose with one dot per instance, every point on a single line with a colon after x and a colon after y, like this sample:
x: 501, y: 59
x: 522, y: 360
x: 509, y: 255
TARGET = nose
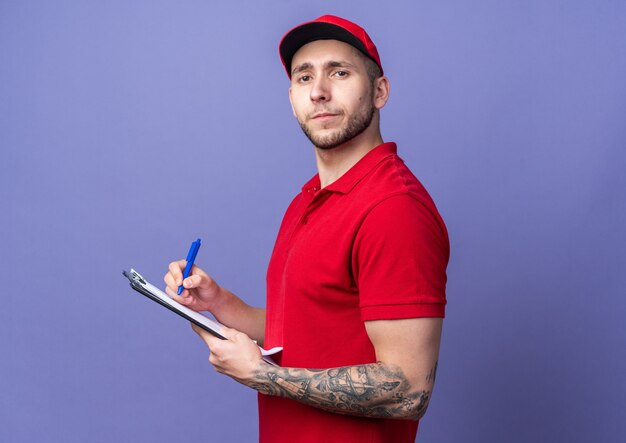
x: 320, y: 91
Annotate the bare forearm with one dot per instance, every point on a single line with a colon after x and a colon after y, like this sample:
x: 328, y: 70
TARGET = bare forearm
x: 369, y: 390
x: 235, y: 313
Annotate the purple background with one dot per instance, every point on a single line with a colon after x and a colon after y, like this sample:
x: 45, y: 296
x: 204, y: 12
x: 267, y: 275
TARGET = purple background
x: 129, y: 128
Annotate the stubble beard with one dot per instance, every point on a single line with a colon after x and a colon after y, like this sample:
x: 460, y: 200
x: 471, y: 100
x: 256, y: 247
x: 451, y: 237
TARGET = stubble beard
x: 356, y: 125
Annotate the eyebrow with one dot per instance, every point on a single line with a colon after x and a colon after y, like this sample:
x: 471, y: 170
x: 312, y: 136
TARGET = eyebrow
x: 329, y: 64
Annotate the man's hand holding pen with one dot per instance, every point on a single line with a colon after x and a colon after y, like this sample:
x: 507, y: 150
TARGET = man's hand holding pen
x: 200, y: 293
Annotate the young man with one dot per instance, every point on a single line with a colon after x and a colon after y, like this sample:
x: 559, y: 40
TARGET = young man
x: 356, y: 282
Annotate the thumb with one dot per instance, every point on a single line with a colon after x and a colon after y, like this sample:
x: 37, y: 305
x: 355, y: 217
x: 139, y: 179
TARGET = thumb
x: 230, y: 333
x: 193, y: 281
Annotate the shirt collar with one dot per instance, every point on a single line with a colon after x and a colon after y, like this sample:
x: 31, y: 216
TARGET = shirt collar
x: 352, y: 176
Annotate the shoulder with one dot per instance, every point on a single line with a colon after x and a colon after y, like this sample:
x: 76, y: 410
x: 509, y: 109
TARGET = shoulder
x: 393, y: 190
x: 406, y: 222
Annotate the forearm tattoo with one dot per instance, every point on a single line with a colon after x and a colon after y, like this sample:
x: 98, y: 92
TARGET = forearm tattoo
x: 370, y: 390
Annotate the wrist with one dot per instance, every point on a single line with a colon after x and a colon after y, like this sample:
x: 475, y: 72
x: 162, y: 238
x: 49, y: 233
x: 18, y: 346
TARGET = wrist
x: 260, y: 376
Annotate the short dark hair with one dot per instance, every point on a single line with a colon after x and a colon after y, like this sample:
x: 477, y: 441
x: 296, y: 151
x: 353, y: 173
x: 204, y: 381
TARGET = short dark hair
x: 372, y: 69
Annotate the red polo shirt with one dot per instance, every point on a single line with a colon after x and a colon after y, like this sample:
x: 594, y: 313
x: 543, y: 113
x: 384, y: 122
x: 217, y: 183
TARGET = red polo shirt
x: 369, y: 246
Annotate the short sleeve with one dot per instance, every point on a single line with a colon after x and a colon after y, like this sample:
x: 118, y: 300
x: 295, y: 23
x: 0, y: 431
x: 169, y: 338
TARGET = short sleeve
x: 399, y: 261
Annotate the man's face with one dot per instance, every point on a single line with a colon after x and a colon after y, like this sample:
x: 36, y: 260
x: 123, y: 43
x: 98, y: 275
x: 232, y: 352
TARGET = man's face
x: 331, y: 94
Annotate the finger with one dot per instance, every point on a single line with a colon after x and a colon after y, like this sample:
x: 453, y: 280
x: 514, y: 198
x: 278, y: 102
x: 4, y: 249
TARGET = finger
x: 197, y: 329
x: 169, y: 280
x: 169, y: 291
x: 211, y: 341
x: 201, y: 332
x: 239, y: 337
x: 184, y: 298
x: 197, y: 278
x: 227, y: 332
x: 176, y: 269
x: 171, y: 287
x: 233, y: 334
x: 193, y: 281
x: 216, y: 362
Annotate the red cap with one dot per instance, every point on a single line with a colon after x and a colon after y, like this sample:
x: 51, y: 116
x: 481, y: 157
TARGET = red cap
x: 326, y: 27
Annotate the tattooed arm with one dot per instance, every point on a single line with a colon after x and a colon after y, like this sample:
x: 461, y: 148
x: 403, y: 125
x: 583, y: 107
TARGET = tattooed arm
x: 372, y: 390
x: 399, y: 385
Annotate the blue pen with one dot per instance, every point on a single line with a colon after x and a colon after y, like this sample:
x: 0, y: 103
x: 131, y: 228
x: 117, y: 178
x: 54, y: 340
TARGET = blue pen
x: 191, y: 257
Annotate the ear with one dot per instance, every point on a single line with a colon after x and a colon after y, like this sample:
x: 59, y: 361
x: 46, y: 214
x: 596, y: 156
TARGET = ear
x: 381, y: 91
x: 291, y: 103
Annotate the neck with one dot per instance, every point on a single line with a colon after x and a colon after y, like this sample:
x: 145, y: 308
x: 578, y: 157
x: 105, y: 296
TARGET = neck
x: 333, y: 163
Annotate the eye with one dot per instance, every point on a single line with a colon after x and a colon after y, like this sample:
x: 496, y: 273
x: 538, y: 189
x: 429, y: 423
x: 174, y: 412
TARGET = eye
x: 304, y: 78
x: 340, y: 73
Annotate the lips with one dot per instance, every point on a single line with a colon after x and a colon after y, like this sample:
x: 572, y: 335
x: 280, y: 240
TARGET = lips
x: 323, y: 115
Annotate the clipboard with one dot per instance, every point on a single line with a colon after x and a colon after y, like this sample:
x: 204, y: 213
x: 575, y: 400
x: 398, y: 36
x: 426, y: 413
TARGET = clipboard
x: 141, y: 285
